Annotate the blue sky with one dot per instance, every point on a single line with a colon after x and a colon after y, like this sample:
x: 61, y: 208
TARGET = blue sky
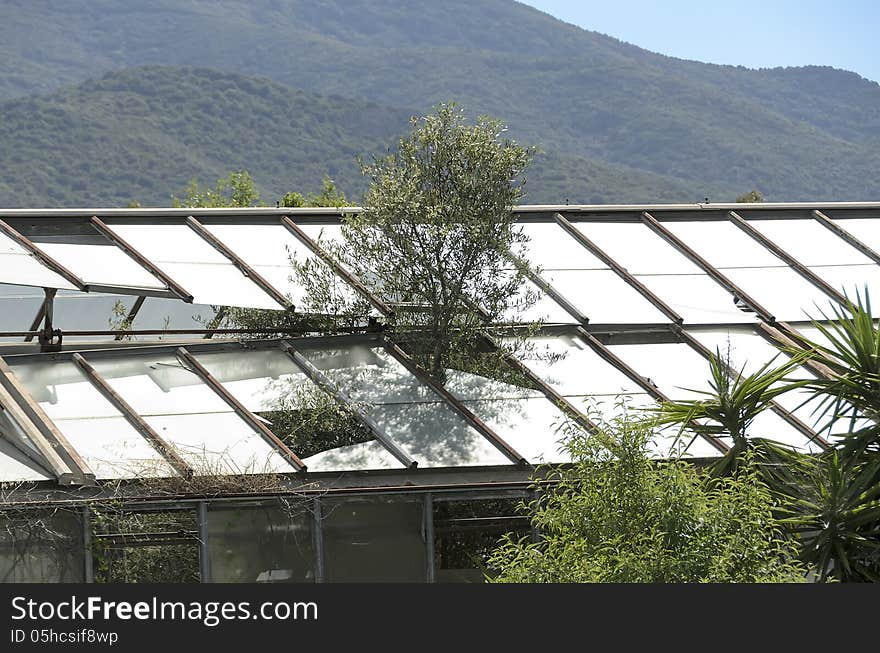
x: 754, y: 33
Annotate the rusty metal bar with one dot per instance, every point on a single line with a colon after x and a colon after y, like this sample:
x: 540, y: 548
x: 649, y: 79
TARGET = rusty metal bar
x: 342, y: 398
x: 129, y: 319
x: 609, y: 357
x: 251, y: 419
x: 81, y: 472
x: 140, y: 425
x: 43, y: 258
x: 349, y: 278
x: 791, y: 261
x: 780, y: 410
x: 238, y: 262
x: 141, y: 260
x: 622, y: 272
x: 404, y: 359
x: 783, y: 334
x: 708, y: 268
x: 827, y: 222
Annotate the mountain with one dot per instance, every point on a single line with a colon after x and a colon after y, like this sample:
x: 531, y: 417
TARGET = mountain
x: 613, y: 119
x: 141, y: 134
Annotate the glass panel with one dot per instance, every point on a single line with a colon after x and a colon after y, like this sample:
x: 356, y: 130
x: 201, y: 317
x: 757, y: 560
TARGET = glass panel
x: 18, y: 307
x: 182, y: 254
x: 262, y: 544
x: 637, y: 248
x: 95, y: 429
x: 723, y: 244
x: 851, y: 281
x: 15, y: 466
x: 551, y: 247
x: 268, y: 249
x: 866, y: 230
x: 533, y: 427
x: 41, y: 547
x: 145, y: 547
x: 541, y: 308
x: 810, y: 243
x: 315, y: 427
x: 665, y: 271
x: 374, y: 541
x: 675, y: 369
x: 466, y: 533
x: 781, y: 290
x: 189, y: 415
x: 17, y: 266
x: 101, y: 264
x: 603, y: 297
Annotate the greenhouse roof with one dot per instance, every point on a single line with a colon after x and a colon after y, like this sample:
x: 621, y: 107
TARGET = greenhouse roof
x: 633, y: 299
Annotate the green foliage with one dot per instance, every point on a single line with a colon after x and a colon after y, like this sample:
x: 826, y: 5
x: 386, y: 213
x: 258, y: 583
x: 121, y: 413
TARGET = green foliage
x: 752, y: 196
x: 680, y: 130
x: 435, y: 236
x: 617, y: 516
x: 330, y: 195
x: 235, y: 190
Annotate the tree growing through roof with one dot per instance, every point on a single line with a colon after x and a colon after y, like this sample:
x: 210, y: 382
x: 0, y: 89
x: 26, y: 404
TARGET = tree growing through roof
x: 618, y: 516
x: 435, y: 237
x: 752, y: 196
x: 236, y: 190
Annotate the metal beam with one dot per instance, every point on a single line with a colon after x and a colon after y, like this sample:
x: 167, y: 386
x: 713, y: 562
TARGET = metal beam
x: 622, y: 272
x: 711, y: 270
x: 481, y: 427
x: 238, y: 262
x: 43, y: 257
x: 129, y: 319
x: 609, y: 357
x: 273, y: 440
x: 791, y: 261
x: 52, y: 439
x: 141, y: 260
x: 349, y: 278
x: 137, y: 422
x: 827, y: 222
x: 328, y: 386
x: 204, y: 552
x: 38, y: 319
x: 785, y: 336
x: 783, y: 412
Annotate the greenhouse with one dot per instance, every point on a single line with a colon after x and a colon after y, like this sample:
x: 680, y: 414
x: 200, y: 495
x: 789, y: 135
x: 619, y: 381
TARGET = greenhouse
x: 140, y: 441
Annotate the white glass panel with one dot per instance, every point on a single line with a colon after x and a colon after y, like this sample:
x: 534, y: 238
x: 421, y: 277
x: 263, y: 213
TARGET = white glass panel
x: 268, y: 249
x: 542, y: 309
x: 866, y: 230
x: 473, y: 387
x: 92, y: 425
x: 363, y: 456
x: 18, y: 307
x: 182, y: 254
x: 697, y: 298
x: 101, y: 264
x: 603, y: 297
x: 723, y: 244
x: 322, y: 233
x: 436, y: 435
x: 676, y: 369
x: 17, y: 266
x: 189, y: 415
x: 810, y: 243
x: 552, y: 248
x: 572, y: 368
x: 14, y: 466
x: 637, y: 248
x: 782, y: 291
x: 771, y: 426
x: 533, y: 427
x: 851, y: 281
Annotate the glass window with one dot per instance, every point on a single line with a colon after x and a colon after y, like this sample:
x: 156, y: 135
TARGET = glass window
x: 374, y: 541
x: 603, y: 297
x: 810, y: 243
x: 203, y: 271
x: 190, y: 415
x: 20, y: 267
x: 466, y: 533
x: 41, y: 546
x: 99, y: 262
x: 94, y: 428
x: 270, y: 543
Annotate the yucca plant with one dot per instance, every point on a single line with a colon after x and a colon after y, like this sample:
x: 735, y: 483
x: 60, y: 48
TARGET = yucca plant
x: 836, y: 515
x: 731, y: 405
